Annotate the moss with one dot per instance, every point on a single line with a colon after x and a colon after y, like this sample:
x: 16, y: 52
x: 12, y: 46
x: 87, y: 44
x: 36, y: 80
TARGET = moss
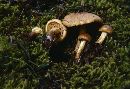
x: 25, y: 64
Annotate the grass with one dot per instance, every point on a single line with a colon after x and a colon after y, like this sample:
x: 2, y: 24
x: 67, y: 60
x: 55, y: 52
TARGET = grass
x: 25, y: 64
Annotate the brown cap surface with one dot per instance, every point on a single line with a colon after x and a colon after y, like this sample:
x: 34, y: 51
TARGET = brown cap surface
x: 76, y: 19
x: 84, y: 36
x: 106, y: 28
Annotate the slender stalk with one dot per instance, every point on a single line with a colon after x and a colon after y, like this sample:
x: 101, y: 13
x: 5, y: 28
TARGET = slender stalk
x: 83, y: 38
x: 80, y: 49
x: 101, y: 38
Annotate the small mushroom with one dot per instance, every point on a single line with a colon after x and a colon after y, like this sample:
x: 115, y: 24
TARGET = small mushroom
x: 105, y: 29
x: 35, y: 32
x: 55, y: 30
x: 81, y: 19
x: 80, y: 45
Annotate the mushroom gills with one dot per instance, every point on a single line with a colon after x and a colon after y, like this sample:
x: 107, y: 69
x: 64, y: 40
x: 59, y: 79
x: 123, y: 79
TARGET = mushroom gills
x: 55, y: 34
x: 101, y: 38
x: 56, y: 29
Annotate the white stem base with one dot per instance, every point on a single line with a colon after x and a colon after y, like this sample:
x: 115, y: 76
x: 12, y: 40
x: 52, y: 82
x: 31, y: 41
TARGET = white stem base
x: 80, y: 49
x: 101, y: 38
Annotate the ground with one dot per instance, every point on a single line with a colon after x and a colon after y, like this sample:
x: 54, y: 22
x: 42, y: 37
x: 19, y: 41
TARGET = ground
x: 25, y: 64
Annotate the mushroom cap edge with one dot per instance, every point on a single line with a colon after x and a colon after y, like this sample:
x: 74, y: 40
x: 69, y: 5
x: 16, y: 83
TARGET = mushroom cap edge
x: 76, y: 19
x: 60, y: 26
x: 106, y: 28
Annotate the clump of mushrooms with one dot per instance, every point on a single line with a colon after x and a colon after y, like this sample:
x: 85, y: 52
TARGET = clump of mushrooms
x: 81, y: 19
x: 56, y: 30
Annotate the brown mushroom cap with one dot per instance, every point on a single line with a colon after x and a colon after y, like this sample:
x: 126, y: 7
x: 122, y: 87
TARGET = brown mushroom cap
x: 84, y: 36
x: 37, y: 30
x: 56, y: 25
x: 76, y: 19
x: 106, y: 28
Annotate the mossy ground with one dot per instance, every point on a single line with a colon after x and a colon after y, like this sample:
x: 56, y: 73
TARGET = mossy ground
x: 25, y: 64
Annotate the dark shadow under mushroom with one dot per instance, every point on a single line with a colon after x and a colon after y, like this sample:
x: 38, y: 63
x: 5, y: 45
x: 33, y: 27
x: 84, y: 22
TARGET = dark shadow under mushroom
x: 63, y: 51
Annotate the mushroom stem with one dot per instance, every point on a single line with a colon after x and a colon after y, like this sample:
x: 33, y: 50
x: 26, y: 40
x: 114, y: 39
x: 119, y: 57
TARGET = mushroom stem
x: 80, y: 48
x: 101, y: 38
x: 83, y: 38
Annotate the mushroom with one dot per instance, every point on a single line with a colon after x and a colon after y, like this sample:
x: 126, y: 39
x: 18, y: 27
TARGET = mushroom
x: 82, y: 39
x: 55, y: 30
x: 81, y: 19
x: 105, y: 29
x: 35, y: 32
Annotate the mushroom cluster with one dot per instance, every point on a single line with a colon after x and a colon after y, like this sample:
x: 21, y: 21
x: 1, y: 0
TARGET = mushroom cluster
x: 57, y: 30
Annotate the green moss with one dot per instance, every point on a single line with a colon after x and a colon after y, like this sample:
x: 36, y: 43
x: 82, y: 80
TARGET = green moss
x: 26, y: 65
